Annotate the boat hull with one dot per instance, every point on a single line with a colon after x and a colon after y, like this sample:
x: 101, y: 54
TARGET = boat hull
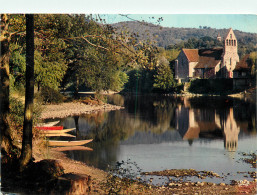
x: 50, y: 128
x: 57, y: 131
x: 69, y: 143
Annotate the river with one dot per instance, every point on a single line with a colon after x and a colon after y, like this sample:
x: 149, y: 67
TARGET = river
x: 164, y: 132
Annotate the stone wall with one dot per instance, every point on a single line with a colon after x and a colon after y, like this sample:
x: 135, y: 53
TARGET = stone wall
x: 240, y: 83
x: 182, y: 67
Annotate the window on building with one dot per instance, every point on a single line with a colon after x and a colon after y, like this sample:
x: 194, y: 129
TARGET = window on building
x: 230, y: 61
x: 227, y: 42
x: 230, y: 36
x: 234, y: 42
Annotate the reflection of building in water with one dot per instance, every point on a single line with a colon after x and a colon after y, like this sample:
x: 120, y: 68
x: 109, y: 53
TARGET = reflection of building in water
x: 206, y: 123
x: 231, y: 131
x: 192, y: 123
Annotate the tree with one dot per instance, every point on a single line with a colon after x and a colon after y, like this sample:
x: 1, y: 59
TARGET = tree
x: 26, y: 152
x: 163, y: 79
x: 253, y: 63
x: 49, y: 50
x: 6, y: 139
x: 95, y: 55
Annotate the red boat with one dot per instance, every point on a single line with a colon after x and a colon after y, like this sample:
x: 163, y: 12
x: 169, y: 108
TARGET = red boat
x: 51, y: 128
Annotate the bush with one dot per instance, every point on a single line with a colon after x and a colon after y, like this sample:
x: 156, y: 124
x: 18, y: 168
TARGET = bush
x: 16, y: 117
x: 50, y: 95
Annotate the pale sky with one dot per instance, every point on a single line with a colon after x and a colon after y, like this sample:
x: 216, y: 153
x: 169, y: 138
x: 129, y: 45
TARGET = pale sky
x: 243, y: 22
x: 238, y: 14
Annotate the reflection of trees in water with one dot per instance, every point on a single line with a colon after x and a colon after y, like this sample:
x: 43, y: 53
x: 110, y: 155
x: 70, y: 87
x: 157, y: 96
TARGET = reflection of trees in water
x: 209, y: 117
x: 155, y: 115
x: 245, y: 115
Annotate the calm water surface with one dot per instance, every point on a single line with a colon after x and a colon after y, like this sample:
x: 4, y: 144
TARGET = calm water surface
x: 164, y: 132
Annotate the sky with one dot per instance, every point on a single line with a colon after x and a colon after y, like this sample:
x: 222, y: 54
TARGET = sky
x: 243, y: 22
x: 237, y: 14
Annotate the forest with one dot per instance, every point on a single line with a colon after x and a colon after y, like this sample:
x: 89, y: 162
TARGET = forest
x: 76, y: 52
x: 170, y: 35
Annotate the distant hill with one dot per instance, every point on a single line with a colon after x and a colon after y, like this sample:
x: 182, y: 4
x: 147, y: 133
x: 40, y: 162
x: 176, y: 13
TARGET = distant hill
x: 165, y: 36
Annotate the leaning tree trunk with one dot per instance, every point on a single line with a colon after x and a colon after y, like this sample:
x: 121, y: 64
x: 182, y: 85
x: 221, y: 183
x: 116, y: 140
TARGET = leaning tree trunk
x: 6, y: 140
x: 26, y: 152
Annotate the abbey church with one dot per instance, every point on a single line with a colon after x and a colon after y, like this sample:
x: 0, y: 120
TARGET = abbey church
x: 209, y: 63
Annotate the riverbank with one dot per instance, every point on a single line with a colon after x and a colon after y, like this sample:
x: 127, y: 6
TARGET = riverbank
x: 102, y: 183
x: 74, y: 108
x: 249, y: 94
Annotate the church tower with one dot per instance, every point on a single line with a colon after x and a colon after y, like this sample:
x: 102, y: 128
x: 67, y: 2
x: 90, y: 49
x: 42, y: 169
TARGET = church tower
x: 230, y: 56
x: 219, y: 37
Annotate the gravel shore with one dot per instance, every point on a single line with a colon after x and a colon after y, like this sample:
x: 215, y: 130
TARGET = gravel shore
x: 74, y: 108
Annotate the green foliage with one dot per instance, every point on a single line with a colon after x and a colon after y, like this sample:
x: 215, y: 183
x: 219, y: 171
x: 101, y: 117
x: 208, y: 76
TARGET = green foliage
x: 193, y: 43
x: 165, y: 37
x: 50, y: 65
x: 163, y: 79
x: 140, y: 81
x: 253, y: 59
x: 16, y: 112
x: 16, y: 116
x: 50, y: 95
x: 94, y: 59
x: 154, y: 75
x: 205, y: 86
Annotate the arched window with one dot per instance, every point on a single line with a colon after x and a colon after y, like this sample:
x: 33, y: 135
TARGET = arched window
x: 234, y: 42
x: 227, y: 42
x: 230, y: 36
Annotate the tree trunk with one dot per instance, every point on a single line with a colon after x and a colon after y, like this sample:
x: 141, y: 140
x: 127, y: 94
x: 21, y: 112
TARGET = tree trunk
x: 26, y: 153
x: 76, y: 120
x: 6, y: 141
x: 76, y: 92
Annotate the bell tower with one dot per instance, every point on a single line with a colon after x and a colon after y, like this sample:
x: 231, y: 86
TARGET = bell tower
x: 230, y: 56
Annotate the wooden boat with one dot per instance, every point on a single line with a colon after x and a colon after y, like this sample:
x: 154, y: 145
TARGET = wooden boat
x: 57, y: 131
x: 59, y: 135
x: 72, y: 148
x: 49, y: 124
x: 50, y: 128
x: 69, y: 143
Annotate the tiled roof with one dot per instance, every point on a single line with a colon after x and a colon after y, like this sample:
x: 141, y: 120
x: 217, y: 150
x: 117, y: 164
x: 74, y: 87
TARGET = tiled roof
x: 213, y: 52
x: 191, y: 54
x: 207, y: 62
x: 209, y: 58
x: 243, y: 63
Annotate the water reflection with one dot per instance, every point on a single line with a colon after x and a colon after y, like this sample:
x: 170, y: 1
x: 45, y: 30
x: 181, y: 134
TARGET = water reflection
x: 193, y: 122
x: 156, y: 122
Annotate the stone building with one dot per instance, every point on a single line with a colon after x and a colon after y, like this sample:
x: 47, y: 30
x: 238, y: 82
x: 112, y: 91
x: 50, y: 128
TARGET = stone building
x: 208, y: 63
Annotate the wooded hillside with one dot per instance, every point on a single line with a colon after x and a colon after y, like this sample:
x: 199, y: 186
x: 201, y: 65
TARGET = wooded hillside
x: 165, y: 36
